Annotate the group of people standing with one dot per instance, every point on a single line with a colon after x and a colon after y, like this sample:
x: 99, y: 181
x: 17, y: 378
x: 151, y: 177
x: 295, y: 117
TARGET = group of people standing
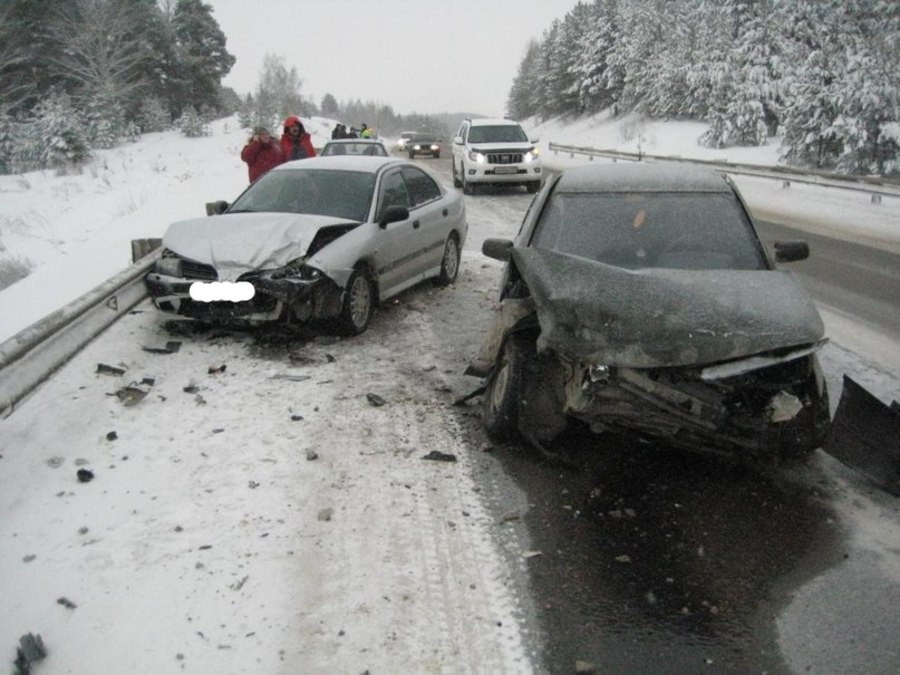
x: 263, y: 151
x: 341, y: 131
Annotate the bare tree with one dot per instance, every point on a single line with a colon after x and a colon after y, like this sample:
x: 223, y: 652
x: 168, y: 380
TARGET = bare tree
x: 101, y: 50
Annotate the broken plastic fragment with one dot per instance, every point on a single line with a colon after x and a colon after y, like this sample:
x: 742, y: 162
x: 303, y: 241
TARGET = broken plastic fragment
x: 784, y: 407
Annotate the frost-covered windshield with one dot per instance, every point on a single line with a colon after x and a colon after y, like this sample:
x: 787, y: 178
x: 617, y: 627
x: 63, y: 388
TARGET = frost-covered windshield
x: 501, y: 133
x: 639, y: 230
x: 343, y: 194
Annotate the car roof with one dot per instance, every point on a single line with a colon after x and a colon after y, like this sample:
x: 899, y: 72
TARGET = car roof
x: 492, y: 121
x: 641, y: 177
x: 370, y: 141
x: 365, y: 163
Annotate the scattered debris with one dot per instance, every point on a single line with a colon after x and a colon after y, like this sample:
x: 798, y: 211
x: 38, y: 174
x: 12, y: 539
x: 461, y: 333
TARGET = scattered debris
x: 205, y: 547
x: 238, y: 585
x: 477, y: 392
x: 532, y: 554
x: 215, y: 370
x: 290, y: 378
x: 325, y: 514
x: 65, y: 602
x: 85, y: 475
x: 29, y: 557
x: 311, y: 455
x: 623, y: 558
x: 510, y: 516
x: 375, y: 400
x: 440, y: 456
x: 330, y: 358
x: 31, y: 648
x: 865, y: 435
x: 172, y: 347
x: 130, y: 395
x: 253, y: 485
x: 218, y: 430
x: 105, y: 369
x: 585, y: 668
x: 55, y: 462
x: 190, y: 389
x: 111, y: 436
x: 296, y: 418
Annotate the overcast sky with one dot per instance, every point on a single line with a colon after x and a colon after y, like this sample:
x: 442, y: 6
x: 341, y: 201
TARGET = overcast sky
x: 425, y: 56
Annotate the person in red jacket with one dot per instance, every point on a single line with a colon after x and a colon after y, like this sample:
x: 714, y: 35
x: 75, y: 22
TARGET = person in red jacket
x: 261, y: 153
x: 295, y: 142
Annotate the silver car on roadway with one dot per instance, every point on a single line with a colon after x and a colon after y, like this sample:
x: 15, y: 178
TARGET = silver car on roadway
x: 322, y: 238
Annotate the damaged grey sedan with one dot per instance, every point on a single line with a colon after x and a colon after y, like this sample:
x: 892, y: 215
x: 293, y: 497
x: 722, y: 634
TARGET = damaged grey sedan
x: 327, y: 238
x: 640, y: 299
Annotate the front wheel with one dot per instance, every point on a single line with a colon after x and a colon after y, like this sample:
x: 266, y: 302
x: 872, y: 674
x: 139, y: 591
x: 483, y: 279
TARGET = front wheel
x: 359, y: 304
x: 449, y: 261
x: 456, y: 182
x: 500, y: 411
x: 533, y: 186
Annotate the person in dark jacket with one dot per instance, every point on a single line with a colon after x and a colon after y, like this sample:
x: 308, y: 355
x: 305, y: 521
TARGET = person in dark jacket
x: 262, y: 152
x: 339, y: 131
x: 295, y: 142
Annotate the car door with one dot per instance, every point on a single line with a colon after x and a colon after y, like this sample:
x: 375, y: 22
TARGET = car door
x: 431, y: 219
x: 396, y: 255
x: 459, y: 148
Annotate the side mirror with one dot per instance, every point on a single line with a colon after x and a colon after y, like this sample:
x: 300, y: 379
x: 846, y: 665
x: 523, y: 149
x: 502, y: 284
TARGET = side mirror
x: 498, y: 249
x: 791, y: 251
x: 216, y: 208
x: 393, y: 214
x: 534, y: 140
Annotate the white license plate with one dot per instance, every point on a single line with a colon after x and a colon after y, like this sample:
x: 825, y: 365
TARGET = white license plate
x: 218, y: 291
x: 506, y: 169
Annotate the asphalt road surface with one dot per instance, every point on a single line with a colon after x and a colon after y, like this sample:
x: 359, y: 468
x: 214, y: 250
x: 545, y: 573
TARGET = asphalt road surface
x: 654, y: 561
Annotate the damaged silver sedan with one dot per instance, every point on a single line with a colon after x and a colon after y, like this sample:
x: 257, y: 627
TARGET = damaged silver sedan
x: 640, y: 299
x: 324, y: 238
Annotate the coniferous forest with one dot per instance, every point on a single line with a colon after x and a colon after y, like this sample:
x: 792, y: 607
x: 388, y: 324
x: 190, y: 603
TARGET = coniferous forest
x: 821, y: 77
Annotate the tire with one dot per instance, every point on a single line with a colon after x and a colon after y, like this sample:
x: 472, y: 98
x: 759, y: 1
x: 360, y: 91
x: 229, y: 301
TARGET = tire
x: 533, y: 187
x: 500, y: 411
x: 467, y: 187
x: 449, y: 261
x: 412, y: 155
x: 437, y: 155
x: 456, y: 182
x: 359, y: 304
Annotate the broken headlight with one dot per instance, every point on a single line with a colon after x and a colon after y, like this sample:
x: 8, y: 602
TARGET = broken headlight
x: 297, y: 269
x: 168, y: 265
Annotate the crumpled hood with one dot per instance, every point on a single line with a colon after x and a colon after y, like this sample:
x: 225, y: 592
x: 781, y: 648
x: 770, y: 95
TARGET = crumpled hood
x: 656, y: 318
x: 241, y: 242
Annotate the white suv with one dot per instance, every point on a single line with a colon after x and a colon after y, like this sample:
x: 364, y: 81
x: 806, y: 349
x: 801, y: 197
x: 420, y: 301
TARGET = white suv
x: 495, y: 151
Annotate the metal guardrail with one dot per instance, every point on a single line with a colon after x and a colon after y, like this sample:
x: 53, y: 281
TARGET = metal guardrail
x: 32, y: 355
x: 876, y: 186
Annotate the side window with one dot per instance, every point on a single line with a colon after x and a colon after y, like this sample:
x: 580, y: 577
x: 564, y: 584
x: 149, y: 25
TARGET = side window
x: 421, y: 186
x: 463, y: 128
x: 393, y: 193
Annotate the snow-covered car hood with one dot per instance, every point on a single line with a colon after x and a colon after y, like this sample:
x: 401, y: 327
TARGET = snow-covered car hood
x: 242, y: 242
x: 657, y: 317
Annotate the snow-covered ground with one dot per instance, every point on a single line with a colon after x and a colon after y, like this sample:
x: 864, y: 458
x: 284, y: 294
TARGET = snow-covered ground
x: 186, y: 563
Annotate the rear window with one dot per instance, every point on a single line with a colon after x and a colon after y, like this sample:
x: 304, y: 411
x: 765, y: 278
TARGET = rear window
x: 642, y: 230
x: 501, y: 133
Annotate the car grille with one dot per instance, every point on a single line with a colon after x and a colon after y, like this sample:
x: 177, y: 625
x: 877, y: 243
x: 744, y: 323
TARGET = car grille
x: 504, y: 158
x: 198, y: 271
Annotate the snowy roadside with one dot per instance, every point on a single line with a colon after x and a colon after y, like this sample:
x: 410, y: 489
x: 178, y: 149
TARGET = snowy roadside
x: 277, y: 514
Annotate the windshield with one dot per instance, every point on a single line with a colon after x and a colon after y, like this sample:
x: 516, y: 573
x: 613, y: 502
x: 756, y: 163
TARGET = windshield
x: 501, y: 133
x: 343, y: 194
x: 642, y: 230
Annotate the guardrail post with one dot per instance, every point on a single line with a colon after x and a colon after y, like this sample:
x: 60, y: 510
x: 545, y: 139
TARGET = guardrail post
x: 786, y: 184
x: 876, y: 199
